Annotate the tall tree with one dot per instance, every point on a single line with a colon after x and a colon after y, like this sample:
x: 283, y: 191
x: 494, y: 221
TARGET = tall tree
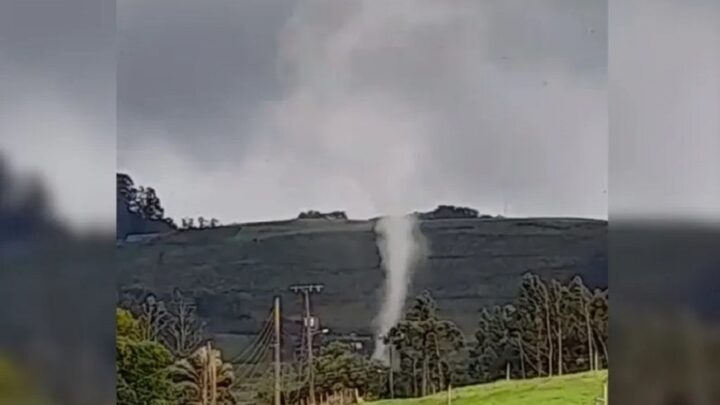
x: 552, y: 328
x: 497, y: 347
x: 581, y: 300
x: 139, y: 209
x: 600, y: 318
x: 426, y: 342
x: 125, y: 187
x: 184, y: 330
x: 149, y: 205
x: 339, y: 367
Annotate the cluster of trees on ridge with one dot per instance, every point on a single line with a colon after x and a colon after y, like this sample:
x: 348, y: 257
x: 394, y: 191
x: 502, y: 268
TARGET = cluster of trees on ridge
x: 312, y: 214
x: 551, y: 328
x: 139, y: 211
x: 441, y: 212
x: 451, y: 212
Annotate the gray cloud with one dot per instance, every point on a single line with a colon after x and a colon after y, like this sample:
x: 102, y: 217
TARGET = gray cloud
x: 57, y: 101
x: 249, y: 110
x: 665, y: 98
x: 200, y: 70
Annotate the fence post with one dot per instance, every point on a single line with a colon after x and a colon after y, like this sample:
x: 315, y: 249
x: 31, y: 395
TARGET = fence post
x: 603, y: 400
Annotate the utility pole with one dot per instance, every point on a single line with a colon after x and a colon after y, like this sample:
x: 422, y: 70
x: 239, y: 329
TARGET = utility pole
x: 205, y: 376
x: 212, y: 374
x: 392, y: 372
x: 305, y: 290
x: 278, y: 347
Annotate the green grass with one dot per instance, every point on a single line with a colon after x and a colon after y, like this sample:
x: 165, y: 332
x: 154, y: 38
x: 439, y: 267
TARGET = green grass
x: 575, y: 389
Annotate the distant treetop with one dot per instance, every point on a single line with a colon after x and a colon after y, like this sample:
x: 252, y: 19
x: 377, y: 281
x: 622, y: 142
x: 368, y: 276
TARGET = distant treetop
x: 450, y: 211
x: 335, y: 215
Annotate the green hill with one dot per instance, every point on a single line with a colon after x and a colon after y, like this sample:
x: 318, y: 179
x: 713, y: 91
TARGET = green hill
x: 233, y: 272
x: 575, y: 389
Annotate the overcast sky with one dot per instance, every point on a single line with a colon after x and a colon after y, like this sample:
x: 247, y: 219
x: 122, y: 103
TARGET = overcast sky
x: 57, y: 101
x: 255, y: 109
x: 665, y: 109
x: 250, y: 110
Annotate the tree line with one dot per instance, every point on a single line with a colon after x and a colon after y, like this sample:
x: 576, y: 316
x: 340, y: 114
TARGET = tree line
x: 550, y: 328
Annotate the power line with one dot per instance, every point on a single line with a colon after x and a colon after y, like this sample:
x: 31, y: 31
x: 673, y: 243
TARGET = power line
x: 261, y: 335
x: 259, y: 354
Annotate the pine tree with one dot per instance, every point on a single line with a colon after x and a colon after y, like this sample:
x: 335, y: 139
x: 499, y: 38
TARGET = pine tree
x: 551, y: 328
x: 425, y: 344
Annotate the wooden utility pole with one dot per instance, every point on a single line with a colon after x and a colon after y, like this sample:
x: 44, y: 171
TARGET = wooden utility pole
x: 309, y: 342
x: 305, y: 290
x: 212, y: 374
x: 392, y: 372
x: 605, y: 394
x: 205, y: 377
x: 277, y: 347
x: 449, y: 394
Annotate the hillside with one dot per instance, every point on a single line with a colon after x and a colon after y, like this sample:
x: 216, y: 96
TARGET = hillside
x: 234, y: 271
x: 576, y: 389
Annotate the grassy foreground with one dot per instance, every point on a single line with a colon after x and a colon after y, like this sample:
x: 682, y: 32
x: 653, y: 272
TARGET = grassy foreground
x: 575, y: 389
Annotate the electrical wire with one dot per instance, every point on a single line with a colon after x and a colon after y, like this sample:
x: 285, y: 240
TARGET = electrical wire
x: 266, y: 329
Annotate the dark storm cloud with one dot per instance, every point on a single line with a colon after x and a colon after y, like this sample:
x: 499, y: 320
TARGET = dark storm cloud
x: 202, y: 69
x: 367, y: 106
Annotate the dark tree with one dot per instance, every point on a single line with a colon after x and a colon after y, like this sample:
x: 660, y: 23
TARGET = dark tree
x: 148, y: 204
x: 448, y: 212
x: 339, y: 367
x: 125, y: 187
x: 551, y: 329
x: 426, y: 345
x: 139, y: 209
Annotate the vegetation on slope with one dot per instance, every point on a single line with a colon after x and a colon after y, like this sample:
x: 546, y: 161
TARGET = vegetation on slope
x: 233, y: 272
x: 550, y: 329
x: 574, y: 389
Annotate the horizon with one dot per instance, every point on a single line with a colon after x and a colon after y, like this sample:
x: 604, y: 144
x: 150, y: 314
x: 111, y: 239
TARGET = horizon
x: 290, y: 214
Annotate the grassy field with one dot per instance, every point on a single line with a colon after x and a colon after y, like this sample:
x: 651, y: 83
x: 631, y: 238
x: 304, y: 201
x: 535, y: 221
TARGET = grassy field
x: 576, y: 389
